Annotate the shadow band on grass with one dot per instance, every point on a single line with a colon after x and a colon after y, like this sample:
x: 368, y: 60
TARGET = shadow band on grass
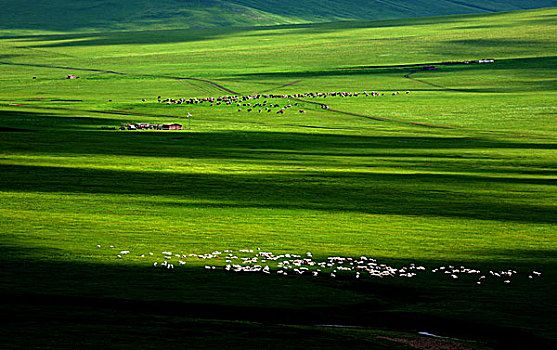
x: 421, y: 191
x: 496, y: 336
x: 78, y: 296
x: 394, y: 194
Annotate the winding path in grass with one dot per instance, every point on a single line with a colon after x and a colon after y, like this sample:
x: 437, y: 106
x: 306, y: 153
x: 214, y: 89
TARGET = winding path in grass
x: 217, y: 85
x: 409, y: 76
x: 382, y: 119
x: 227, y: 90
x: 220, y: 87
x: 285, y: 85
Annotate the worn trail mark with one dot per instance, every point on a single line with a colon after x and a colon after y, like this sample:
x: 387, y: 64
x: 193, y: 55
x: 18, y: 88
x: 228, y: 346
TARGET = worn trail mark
x: 220, y: 87
x: 382, y: 119
x: 409, y: 76
x: 230, y: 91
x: 282, y: 86
x: 217, y: 85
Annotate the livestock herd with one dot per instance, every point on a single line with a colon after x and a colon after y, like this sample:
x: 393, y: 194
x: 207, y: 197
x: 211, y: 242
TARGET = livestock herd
x: 250, y: 103
x: 258, y: 261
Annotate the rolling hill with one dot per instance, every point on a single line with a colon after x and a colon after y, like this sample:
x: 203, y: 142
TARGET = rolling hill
x: 63, y: 15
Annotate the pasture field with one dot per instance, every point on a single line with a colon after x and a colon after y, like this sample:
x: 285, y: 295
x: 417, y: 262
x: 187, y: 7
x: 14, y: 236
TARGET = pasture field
x: 460, y: 171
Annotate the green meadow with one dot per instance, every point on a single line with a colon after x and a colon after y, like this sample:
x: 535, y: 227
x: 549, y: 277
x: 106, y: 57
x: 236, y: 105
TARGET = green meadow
x: 459, y: 171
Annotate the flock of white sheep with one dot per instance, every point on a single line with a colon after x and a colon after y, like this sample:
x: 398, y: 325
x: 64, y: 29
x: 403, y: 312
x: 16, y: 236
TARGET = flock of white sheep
x: 258, y: 261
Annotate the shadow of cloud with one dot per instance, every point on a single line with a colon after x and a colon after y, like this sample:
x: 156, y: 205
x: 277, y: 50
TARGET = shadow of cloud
x: 167, y: 36
x: 534, y: 64
x: 370, y: 193
x: 543, y: 256
x: 35, y: 121
x: 455, y: 191
x: 497, y: 42
x: 86, y: 295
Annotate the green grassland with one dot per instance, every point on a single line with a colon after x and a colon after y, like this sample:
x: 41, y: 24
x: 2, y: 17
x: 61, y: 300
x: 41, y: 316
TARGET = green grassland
x: 460, y: 171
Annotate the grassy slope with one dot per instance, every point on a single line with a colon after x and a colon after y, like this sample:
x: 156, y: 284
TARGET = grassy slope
x: 481, y: 194
x: 61, y: 15
x: 373, y: 9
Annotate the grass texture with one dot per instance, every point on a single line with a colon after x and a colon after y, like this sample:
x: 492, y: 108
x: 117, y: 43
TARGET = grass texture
x: 459, y: 171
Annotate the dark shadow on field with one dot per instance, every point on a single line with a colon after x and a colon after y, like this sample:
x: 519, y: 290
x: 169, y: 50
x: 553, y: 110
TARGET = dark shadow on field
x: 7, y: 129
x: 502, y: 64
x: 145, y: 37
x: 3, y: 57
x: 35, y: 121
x: 546, y: 20
x: 259, y: 144
x: 541, y: 255
x: 137, y: 302
x: 371, y: 193
x: 48, y: 323
x: 201, y: 34
x: 536, y: 64
x: 486, y: 26
x: 496, y: 42
x: 49, y: 118
x: 40, y: 65
x: 290, y: 186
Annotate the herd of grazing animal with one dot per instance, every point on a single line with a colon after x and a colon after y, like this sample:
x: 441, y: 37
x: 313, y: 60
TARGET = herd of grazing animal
x: 251, y: 103
x: 257, y: 261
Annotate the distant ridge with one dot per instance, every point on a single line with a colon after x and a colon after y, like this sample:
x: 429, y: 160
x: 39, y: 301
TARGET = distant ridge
x: 80, y: 15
